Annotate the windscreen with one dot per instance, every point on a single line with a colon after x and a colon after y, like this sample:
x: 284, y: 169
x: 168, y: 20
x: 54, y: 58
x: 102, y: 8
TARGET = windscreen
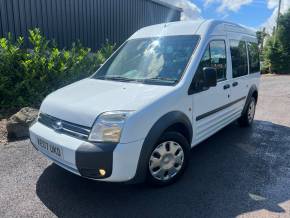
x: 150, y: 60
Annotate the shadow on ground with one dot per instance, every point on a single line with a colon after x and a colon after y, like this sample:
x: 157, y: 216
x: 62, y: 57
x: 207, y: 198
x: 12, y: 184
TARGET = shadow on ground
x: 235, y: 171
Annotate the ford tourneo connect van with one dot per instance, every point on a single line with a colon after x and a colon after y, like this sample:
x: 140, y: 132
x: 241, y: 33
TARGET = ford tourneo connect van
x: 166, y: 89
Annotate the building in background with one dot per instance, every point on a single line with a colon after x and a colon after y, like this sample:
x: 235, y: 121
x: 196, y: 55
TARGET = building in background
x: 90, y: 21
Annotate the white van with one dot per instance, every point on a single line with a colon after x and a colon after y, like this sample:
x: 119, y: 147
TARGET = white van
x: 166, y: 89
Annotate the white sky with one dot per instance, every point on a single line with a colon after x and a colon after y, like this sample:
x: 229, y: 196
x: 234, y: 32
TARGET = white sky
x: 192, y: 11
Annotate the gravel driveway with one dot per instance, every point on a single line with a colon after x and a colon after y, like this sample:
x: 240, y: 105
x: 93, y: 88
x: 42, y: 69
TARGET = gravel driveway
x: 238, y: 172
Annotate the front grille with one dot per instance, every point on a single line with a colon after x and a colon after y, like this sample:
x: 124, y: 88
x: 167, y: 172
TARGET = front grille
x: 65, y: 127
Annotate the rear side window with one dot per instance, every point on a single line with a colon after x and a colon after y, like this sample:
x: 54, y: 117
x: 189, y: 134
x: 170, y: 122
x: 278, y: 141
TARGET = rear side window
x: 254, y: 59
x: 239, y: 58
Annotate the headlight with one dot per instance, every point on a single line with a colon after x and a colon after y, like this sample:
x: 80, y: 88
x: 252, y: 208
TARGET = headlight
x: 108, y: 126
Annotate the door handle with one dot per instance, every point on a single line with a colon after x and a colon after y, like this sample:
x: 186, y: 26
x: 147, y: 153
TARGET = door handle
x: 235, y: 83
x: 227, y: 86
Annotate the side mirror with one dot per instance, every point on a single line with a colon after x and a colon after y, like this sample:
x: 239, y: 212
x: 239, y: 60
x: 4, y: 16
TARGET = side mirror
x: 210, y: 76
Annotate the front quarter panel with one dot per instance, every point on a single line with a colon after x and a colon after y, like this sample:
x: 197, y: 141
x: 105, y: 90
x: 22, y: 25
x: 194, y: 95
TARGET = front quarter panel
x: 140, y: 122
x: 148, y: 124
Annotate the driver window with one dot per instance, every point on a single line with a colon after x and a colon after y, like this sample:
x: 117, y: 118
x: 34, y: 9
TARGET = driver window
x: 198, y: 81
x: 214, y: 56
x: 218, y: 58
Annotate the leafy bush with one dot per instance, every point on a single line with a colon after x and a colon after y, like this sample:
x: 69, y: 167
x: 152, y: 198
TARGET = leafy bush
x: 28, y: 75
x: 274, y: 56
x: 11, y: 72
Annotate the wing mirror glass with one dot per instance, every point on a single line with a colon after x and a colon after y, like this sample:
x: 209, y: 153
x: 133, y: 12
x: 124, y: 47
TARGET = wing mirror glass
x: 210, y: 76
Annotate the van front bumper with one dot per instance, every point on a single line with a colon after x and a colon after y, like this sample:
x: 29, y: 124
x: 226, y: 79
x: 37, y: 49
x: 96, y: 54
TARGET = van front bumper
x: 118, y: 160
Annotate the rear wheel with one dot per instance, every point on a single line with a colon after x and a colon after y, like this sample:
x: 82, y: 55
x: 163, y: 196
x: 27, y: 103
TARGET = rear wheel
x: 168, y: 159
x: 247, y: 118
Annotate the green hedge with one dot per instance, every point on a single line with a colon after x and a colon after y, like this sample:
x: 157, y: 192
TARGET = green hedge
x: 28, y: 75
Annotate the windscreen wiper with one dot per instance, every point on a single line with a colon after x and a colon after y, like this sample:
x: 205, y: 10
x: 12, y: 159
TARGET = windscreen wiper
x: 120, y: 78
x: 116, y: 78
x: 162, y: 79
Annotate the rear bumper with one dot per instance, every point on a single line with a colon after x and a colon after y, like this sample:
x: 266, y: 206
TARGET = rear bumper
x: 86, y: 159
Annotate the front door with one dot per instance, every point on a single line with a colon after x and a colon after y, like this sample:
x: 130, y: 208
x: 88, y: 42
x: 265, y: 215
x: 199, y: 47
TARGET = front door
x: 209, y: 104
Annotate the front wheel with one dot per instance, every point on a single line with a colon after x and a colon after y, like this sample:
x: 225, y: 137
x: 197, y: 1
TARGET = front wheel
x: 168, y: 159
x: 247, y: 118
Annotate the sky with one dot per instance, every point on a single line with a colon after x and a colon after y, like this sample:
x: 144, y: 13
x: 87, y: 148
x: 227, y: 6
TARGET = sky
x: 255, y: 14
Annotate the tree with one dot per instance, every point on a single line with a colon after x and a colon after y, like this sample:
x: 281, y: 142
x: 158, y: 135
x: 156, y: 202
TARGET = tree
x: 277, y: 52
x: 261, y: 36
x: 273, y: 54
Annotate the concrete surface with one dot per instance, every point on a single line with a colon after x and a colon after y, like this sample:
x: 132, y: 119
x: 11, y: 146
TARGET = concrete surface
x: 238, y: 172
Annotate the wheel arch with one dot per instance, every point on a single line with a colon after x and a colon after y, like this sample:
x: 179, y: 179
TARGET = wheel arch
x: 255, y: 95
x: 172, y: 121
x: 253, y: 92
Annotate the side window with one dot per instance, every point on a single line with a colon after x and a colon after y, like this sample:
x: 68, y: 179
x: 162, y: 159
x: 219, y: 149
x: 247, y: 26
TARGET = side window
x: 198, y: 81
x: 219, y: 58
x: 254, y: 58
x: 214, y: 56
x: 239, y: 58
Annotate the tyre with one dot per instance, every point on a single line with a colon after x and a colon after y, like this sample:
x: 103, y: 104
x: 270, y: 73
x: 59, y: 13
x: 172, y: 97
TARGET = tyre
x: 247, y: 117
x: 168, y: 159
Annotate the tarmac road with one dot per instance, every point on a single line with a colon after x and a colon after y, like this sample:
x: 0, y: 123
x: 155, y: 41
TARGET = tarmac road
x: 238, y: 172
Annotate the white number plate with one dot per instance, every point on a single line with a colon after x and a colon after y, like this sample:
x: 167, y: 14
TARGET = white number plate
x: 53, y: 149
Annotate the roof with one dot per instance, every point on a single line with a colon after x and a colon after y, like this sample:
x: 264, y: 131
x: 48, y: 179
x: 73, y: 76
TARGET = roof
x: 200, y: 27
x: 167, y: 5
x: 167, y: 29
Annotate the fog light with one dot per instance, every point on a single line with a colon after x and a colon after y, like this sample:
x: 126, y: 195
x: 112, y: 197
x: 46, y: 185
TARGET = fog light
x: 102, y: 172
